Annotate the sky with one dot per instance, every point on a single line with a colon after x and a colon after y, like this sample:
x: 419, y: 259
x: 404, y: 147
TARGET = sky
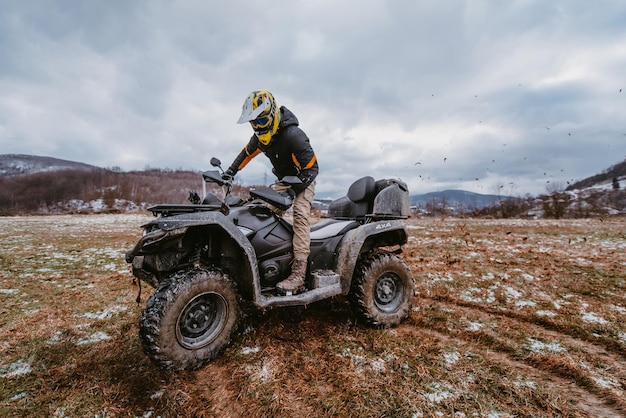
x: 513, y: 97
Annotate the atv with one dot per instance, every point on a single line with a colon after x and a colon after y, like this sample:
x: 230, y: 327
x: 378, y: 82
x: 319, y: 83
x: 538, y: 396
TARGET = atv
x: 208, y: 258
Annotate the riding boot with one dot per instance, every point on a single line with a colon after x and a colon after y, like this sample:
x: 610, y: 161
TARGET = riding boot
x: 295, y: 282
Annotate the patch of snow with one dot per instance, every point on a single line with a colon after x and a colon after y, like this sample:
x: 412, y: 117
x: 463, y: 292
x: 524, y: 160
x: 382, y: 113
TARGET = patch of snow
x: 19, y: 396
x: 593, y: 318
x: 527, y: 277
x: 512, y: 293
x: 468, y: 296
x: 474, y: 326
x: 525, y: 303
x: 537, y: 346
x: 19, y: 368
x: 549, y: 314
x: 56, y: 338
x: 104, y: 314
x: 357, y: 359
x: 451, y: 358
x: 9, y: 291
x: 96, y: 337
x: 606, y: 384
x: 525, y: 384
x: 378, y: 365
x: 156, y: 394
x: 439, y: 394
x: 434, y: 278
x: 583, y: 262
x: 250, y: 350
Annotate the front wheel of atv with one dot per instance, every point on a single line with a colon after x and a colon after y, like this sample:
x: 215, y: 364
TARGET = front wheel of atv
x: 382, y: 290
x: 190, y: 319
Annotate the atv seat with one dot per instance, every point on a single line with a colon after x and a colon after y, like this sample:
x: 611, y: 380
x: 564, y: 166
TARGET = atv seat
x: 374, y: 200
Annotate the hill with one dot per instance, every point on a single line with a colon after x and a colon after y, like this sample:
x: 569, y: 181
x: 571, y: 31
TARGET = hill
x: 17, y: 164
x: 608, y: 178
x: 460, y: 199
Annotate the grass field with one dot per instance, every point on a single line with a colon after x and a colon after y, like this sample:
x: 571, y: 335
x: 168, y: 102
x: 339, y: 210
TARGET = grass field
x: 511, y: 318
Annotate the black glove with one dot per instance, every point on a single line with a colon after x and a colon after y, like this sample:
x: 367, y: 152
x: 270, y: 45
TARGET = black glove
x: 194, y: 197
x: 290, y: 193
x: 228, y: 175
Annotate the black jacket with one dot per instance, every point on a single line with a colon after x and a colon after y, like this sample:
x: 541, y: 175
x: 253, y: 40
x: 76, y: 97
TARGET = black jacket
x: 290, y: 152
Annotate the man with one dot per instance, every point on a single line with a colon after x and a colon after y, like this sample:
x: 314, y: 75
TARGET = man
x: 277, y: 135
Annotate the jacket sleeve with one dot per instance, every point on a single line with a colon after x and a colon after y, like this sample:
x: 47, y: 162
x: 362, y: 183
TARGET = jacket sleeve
x: 248, y: 152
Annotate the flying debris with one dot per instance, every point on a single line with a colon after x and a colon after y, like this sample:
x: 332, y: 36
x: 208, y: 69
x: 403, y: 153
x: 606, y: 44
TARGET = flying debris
x: 444, y: 159
x: 417, y: 163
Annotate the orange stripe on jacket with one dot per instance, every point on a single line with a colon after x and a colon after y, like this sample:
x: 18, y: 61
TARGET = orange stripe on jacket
x: 248, y: 158
x: 306, y: 167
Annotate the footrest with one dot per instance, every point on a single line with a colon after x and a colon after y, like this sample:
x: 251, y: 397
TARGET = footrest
x: 323, y: 278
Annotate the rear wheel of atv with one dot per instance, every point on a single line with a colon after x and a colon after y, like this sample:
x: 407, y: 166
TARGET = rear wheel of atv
x: 190, y: 319
x: 382, y: 290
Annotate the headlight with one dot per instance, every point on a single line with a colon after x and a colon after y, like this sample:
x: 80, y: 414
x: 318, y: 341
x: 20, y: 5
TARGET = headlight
x: 245, y: 231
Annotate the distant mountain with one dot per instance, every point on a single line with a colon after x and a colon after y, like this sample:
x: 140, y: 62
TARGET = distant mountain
x: 606, y: 178
x: 456, y: 199
x: 16, y: 164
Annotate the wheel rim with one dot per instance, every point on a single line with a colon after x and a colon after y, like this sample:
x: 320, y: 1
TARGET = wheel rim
x: 202, y: 320
x: 388, y: 292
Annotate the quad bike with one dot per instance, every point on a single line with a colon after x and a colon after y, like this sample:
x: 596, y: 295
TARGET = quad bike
x: 205, y: 259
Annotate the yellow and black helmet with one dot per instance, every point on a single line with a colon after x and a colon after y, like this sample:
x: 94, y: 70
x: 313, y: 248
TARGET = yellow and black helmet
x: 261, y: 111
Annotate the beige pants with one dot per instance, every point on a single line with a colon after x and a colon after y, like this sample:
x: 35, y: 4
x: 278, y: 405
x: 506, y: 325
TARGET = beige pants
x: 301, y: 216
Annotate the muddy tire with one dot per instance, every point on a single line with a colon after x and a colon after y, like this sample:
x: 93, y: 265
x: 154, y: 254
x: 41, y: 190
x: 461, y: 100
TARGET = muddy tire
x: 382, y: 290
x: 190, y: 319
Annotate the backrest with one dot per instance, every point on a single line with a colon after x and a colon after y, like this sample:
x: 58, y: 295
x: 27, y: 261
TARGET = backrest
x: 358, y: 201
x: 361, y: 192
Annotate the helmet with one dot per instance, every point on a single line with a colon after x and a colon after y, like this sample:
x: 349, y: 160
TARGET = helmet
x: 261, y: 111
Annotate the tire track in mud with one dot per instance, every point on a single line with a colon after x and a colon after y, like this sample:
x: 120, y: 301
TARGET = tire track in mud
x: 590, y: 375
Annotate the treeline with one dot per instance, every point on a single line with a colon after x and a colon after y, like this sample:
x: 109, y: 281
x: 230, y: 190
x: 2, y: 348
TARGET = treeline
x: 111, y: 190
x: 46, y: 192
x: 557, y: 204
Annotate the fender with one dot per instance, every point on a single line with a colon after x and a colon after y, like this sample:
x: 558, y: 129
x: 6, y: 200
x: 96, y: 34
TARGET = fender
x: 362, y: 239
x: 178, y: 225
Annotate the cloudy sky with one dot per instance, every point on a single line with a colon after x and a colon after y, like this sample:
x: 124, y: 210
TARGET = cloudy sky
x: 487, y: 96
